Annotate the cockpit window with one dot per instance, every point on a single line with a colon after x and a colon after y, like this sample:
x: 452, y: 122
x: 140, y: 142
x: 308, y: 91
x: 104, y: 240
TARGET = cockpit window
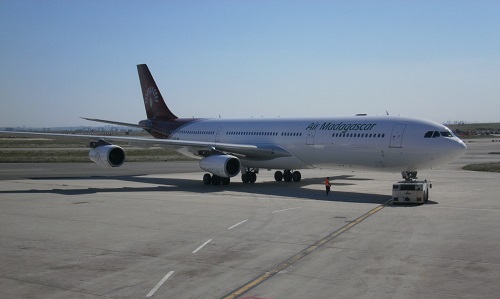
x: 435, y: 134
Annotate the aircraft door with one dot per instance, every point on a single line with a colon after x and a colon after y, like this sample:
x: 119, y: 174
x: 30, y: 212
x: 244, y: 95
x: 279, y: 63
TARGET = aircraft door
x: 397, y: 136
x: 217, y: 134
x: 310, y: 137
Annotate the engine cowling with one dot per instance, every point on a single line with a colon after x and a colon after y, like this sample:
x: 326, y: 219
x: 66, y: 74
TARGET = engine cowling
x: 107, y: 155
x: 225, y: 166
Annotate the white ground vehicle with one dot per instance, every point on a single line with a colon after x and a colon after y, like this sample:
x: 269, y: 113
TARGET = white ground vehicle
x: 411, y: 191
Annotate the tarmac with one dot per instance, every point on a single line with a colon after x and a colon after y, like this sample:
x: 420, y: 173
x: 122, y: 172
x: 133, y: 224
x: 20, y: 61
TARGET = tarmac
x: 154, y: 230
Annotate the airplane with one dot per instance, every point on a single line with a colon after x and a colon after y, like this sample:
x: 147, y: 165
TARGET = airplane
x: 228, y: 147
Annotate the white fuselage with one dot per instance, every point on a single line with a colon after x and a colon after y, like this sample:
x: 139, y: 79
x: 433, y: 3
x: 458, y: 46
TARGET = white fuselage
x: 383, y: 143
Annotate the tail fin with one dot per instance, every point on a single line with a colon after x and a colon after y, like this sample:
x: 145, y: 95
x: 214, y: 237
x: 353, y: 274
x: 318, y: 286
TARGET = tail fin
x: 153, y: 101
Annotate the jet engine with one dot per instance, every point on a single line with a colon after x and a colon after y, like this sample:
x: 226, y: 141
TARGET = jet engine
x: 107, y: 155
x: 224, y: 166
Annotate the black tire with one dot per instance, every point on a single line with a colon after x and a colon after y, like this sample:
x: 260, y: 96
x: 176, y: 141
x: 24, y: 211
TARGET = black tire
x: 296, y: 176
x: 207, y: 179
x: 287, y: 176
x: 278, y: 176
x: 225, y: 181
x: 216, y: 180
x: 253, y: 177
x: 245, y: 178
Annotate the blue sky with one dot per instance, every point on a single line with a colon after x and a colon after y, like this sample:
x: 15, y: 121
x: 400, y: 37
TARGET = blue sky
x: 438, y: 60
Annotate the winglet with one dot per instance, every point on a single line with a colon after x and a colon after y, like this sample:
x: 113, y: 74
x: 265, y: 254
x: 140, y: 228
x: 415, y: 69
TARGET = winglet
x: 153, y: 101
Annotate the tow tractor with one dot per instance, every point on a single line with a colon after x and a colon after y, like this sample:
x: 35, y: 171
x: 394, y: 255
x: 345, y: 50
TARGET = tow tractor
x: 411, y: 190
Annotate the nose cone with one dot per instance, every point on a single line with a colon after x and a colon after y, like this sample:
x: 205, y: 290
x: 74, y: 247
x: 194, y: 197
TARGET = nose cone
x: 445, y: 150
x: 457, y: 149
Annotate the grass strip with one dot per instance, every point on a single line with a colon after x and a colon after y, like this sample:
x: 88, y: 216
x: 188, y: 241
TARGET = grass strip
x: 488, y: 167
x: 38, y: 143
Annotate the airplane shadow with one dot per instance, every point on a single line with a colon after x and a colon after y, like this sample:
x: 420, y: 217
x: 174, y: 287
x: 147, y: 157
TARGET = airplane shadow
x: 284, y: 189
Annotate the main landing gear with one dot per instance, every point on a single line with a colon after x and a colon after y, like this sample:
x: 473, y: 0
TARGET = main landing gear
x: 250, y: 175
x: 209, y: 179
x: 287, y: 175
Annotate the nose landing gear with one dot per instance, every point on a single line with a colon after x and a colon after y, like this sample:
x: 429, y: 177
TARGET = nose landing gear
x: 409, y: 175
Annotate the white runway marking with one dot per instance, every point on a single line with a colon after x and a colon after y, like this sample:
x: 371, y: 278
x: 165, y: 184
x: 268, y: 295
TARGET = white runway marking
x: 158, y: 285
x: 238, y: 224
x: 279, y: 211
x: 201, y: 246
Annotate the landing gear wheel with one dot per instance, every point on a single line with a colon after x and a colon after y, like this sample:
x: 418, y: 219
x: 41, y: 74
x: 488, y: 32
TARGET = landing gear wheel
x: 278, y: 176
x: 225, y: 181
x: 245, y: 178
x: 216, y: 180
x: 288, y: 176
x: 250, y: 176
x: 207, y: 179
x: 296, y: 176
x: 253, y: 177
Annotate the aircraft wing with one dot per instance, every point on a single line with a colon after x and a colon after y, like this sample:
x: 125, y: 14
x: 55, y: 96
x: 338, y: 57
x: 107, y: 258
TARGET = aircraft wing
x: 114, y: 122
x: 251, y: 151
